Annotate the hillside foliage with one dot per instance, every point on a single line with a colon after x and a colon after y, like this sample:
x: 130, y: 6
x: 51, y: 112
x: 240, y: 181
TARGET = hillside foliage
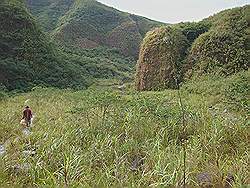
x: 74, y: 63
x: 49, y: 12
x: 90, y: 24
x: 217, y: 45
x: 28, y: 57
x: 224, y: 47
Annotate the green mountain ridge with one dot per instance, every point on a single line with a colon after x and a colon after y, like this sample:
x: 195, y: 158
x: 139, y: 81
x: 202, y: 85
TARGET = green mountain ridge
x: 26, y: 53
x: 48, y: 12
x: 29, y: 58
x: 90, y: 24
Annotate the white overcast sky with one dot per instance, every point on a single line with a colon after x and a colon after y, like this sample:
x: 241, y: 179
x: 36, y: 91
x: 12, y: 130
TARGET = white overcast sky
x: 173, y: 11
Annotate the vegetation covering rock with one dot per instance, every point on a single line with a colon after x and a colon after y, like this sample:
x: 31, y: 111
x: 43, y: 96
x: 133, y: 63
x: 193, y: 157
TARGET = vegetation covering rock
x: 219, y: 44
x: 160, y: 60
x: 225, y: 47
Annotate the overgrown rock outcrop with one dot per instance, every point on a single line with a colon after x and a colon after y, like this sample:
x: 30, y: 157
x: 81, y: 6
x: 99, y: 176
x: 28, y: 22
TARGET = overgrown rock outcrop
x: 219, y: 45
x: 160, y: 59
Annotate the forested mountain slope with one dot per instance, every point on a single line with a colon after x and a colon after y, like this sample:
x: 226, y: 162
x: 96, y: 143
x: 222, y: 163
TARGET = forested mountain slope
x: 90, y: 24
x: 28, y: 57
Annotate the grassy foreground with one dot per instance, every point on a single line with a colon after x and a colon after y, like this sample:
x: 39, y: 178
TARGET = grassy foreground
x: 103, y: 138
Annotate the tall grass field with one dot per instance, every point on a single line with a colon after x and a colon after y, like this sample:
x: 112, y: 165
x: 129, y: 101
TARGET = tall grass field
x: 103, y: 137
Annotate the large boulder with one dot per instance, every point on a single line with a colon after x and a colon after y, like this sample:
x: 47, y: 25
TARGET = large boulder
x: 160, y: 60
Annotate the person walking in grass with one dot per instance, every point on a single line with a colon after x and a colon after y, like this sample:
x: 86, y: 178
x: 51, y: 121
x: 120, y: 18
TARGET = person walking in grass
x: 27, y: 116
